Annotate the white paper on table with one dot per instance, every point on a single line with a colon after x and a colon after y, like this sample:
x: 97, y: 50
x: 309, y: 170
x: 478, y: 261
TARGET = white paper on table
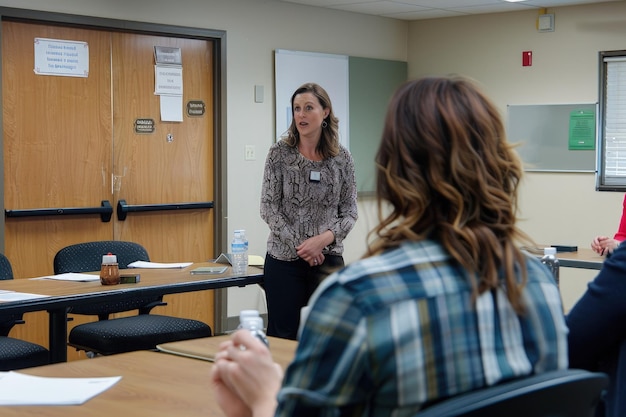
x: 21, y: 389
x: 72, y: 276
x: 6, y: 296
x: 157, y: 265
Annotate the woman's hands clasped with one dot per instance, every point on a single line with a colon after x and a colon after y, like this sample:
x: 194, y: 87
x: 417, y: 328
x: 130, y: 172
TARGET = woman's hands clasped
x: 604, y: 245
x: 311, y: 249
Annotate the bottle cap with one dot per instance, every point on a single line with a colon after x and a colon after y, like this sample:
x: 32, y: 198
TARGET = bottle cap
x: 252, y: 322
x: 243, y: 314
x: 109, y: 259
x: 549, y: 251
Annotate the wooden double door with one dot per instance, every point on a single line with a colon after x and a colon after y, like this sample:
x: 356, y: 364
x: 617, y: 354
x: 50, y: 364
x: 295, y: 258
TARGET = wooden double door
x: 87, y: 142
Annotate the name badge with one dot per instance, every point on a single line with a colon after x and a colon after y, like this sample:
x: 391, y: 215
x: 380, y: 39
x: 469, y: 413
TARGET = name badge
x: 315, y: 176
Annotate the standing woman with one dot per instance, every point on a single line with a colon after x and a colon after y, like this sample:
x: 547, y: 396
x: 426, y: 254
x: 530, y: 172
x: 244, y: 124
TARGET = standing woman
x: 309, y: 203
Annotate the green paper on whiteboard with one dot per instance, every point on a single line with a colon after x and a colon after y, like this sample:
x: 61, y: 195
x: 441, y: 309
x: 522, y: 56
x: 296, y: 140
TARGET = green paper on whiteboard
x: 582, y: 130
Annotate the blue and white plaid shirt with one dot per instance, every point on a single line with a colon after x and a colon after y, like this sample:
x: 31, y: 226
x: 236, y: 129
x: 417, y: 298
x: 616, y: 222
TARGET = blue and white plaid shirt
x: 391, y: 333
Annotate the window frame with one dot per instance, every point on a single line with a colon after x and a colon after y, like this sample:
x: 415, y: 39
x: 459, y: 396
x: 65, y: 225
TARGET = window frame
x: 604, y: 181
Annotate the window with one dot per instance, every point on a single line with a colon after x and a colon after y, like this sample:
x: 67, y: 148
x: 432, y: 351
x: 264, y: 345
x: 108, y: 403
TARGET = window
x: 611, y: 175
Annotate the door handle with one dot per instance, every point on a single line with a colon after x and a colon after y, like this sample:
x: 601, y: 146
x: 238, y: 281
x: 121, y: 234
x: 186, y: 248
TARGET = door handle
x: 105, y: 211
x: 123, y: 209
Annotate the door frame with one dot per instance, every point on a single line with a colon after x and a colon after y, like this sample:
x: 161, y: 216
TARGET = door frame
x: 218, y: 39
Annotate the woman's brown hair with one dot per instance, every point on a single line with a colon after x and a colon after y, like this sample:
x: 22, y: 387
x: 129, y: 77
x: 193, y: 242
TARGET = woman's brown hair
x: 445, y: 167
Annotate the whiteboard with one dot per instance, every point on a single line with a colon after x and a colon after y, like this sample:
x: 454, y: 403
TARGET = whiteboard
x: 294, y: 68
x: 541, y: 133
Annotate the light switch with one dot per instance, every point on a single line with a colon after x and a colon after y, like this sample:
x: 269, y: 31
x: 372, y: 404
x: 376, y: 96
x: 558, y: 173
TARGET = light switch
x: 250, y: 153
x: 258, y: 94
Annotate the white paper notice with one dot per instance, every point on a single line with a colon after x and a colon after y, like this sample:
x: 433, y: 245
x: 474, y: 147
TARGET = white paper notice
x: 61, y: 57
x: 168, y: 79
x: 168, y: 85
x: 171, y: 108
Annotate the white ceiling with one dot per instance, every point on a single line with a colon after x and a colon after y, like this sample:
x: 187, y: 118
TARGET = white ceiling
x: 432, y: 9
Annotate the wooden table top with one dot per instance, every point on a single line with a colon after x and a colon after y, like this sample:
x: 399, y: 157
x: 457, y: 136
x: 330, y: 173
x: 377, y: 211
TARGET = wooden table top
x: 584, y: 258
x: 60, y: 295
x: 153, y: 384
x: 168, y: 280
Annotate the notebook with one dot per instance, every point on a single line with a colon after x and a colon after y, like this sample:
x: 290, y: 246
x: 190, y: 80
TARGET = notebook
x: 253, y: 260
x: 202, y: 270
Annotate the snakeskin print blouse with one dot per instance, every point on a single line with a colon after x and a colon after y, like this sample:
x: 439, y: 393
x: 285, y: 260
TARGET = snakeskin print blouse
x: 296, y: 206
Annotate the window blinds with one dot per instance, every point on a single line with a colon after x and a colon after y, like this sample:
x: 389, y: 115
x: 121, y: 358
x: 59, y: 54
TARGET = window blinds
x: 612, y: 131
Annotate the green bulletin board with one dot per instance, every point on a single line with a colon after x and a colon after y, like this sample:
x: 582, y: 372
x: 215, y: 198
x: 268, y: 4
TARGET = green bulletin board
x: 363, y: 88
x: 372, y: 83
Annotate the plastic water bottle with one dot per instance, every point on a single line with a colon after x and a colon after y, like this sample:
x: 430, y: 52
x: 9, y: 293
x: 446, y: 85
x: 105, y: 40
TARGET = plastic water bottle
x: 552, y: 262
x: 244, y: 314
x: 255, y: 325
x: 239, y: 254
x: 242, y: 232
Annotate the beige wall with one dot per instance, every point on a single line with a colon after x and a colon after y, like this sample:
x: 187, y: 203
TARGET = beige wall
x: 556, y: 207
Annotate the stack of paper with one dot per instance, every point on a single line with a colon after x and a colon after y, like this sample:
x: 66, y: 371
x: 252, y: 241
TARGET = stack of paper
x: 6, y: 296
x: 73, y: 276
x: 157, y: 265
x: 22, y: 389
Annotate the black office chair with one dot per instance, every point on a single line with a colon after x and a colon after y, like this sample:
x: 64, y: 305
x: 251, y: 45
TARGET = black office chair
x: 16, y: 353
x: 140, y: 332
x: 564, y: 393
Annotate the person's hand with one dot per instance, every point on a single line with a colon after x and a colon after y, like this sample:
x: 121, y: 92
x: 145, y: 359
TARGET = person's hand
x: 245, y: 377
x: 311, y: 249
x: 227, y: 399
x: 604, y: 245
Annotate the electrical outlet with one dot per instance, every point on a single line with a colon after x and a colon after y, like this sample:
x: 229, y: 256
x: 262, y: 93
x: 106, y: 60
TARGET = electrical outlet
x: 250, y: 153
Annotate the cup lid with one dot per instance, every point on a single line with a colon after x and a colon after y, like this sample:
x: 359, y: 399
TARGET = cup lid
x: 109, y: 259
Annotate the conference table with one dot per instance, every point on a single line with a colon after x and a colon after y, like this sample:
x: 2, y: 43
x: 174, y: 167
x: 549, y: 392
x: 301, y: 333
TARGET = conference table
x: 581, y: 258
x: 59, y: 295
x: 153, y: 383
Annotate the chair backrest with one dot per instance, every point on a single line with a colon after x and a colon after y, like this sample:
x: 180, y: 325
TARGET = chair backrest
x: 7, y: 321
x: 6, y: 271
x: 564, y: 393
x: 87, y: 256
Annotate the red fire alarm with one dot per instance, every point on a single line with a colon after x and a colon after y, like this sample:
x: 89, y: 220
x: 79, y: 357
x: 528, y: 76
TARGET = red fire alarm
x: 527, y: 58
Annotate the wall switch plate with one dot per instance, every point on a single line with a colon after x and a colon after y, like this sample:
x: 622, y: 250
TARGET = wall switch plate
x: 259, y: 94
x: 250, y: 153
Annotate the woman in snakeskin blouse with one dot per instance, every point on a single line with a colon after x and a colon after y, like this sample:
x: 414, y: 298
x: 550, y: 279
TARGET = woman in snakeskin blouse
x: 309, y: 201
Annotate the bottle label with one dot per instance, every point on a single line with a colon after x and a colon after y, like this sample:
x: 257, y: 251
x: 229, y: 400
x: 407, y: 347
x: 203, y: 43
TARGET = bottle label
x: 238, y: 247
